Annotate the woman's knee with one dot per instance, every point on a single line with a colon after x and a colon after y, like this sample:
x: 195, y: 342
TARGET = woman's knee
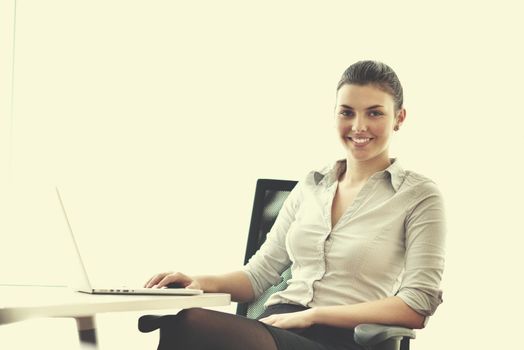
x: 196, y: 317
x: 181, y: 329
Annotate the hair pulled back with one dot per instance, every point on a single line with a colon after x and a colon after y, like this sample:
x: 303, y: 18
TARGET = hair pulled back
x: 374, y: 73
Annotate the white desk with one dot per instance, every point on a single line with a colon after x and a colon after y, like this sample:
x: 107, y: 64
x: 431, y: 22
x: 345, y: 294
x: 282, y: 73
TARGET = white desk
x: 20, y: 303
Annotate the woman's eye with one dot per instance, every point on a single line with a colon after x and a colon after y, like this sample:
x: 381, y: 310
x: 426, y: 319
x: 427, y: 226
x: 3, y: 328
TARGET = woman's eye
x: 345, y: 113
x: 376, y: 113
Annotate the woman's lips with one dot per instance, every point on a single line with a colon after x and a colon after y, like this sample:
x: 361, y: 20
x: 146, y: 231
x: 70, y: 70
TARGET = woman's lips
x: 360, y: 141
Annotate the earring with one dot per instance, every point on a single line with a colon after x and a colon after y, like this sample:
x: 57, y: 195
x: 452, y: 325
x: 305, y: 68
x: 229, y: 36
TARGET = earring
x: 396, y: 128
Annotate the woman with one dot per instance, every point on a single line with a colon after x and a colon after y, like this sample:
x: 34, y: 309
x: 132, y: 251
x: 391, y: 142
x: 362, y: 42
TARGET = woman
x: 365, y: 239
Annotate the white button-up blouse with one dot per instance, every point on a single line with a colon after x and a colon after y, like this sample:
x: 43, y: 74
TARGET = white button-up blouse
x: 390, y: 241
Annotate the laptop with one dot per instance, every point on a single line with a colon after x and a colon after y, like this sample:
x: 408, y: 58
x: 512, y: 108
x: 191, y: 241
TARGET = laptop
x: 82, y: 283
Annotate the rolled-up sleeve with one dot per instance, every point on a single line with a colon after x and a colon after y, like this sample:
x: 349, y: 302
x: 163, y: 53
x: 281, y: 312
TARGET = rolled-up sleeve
x: 264, y: 268
x: 425, y: 245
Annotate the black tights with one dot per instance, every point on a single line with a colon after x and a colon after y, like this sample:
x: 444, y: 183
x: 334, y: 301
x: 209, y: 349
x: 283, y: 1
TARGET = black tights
x: 202, y: 329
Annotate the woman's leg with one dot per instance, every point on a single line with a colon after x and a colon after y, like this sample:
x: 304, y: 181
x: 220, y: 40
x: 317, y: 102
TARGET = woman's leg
x: 202, y: 329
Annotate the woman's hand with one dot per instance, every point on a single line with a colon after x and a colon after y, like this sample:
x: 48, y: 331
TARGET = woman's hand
x: 163, y: 279
x: 301, y: 319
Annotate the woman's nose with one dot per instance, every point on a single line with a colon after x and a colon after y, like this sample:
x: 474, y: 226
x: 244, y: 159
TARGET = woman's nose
x: 359, y: 124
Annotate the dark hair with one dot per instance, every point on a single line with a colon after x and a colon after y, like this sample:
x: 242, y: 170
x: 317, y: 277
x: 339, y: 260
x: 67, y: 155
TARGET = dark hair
x: 374, y: 73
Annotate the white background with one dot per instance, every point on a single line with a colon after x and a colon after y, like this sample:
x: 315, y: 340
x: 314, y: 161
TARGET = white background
x: 155, y: 118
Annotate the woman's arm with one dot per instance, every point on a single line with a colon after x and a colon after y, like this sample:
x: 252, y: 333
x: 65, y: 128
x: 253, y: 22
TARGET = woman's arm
x: 389, y: 311
x: 235, y: 283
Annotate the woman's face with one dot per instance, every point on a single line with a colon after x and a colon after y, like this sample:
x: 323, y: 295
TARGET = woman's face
x: 365, y: 117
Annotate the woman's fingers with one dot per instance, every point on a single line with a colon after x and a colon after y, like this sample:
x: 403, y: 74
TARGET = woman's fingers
x: 176, y: 278
x: 155, y: 279
x: 268, y: 320
x: 161, y: 280
x: 299, y: 319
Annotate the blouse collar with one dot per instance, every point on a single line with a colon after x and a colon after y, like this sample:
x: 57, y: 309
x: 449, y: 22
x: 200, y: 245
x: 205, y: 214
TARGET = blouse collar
x: 394, y: 172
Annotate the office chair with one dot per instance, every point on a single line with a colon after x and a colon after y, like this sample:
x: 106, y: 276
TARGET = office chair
x: 269, y: 198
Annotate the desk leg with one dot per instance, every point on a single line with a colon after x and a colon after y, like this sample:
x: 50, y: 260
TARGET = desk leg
x: 86, y: 331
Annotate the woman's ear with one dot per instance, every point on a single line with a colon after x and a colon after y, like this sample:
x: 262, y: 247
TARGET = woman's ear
x: 399, y: 119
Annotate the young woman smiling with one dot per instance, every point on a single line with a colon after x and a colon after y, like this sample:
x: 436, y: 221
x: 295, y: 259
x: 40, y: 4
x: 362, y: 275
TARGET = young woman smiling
x: 363, y: 236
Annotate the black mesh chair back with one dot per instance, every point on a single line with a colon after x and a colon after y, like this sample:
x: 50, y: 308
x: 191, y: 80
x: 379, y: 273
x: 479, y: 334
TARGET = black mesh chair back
x: 269, y: 198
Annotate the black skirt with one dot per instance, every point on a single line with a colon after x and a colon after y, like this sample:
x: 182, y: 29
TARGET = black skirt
x: 316, y: 337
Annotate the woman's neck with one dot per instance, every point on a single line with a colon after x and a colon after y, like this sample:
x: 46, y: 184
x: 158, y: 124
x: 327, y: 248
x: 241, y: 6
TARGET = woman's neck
x: 360, y: 171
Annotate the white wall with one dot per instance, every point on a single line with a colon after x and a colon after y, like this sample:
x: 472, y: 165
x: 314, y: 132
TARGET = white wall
x: 156, y: 118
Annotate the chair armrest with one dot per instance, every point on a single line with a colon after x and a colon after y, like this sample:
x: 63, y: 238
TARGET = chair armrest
x: 373, y: 334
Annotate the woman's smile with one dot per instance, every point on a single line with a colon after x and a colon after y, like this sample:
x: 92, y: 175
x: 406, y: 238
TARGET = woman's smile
x: 360, y: 141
